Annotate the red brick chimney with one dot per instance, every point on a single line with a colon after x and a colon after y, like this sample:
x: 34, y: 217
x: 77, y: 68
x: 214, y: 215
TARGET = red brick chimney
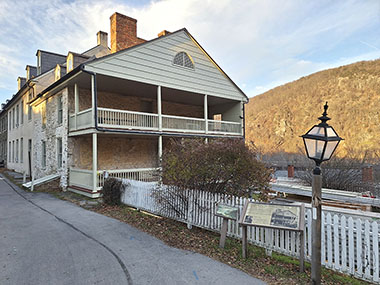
x: 123, y: 32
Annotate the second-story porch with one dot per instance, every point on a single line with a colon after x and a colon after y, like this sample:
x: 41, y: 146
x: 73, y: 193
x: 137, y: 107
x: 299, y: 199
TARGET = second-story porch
x: 134, y: 106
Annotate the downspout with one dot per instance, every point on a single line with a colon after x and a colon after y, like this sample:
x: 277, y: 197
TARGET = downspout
x: 100, y: 129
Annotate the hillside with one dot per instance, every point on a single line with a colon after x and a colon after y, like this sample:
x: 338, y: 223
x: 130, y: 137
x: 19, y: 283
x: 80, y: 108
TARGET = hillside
x: 276, y: 119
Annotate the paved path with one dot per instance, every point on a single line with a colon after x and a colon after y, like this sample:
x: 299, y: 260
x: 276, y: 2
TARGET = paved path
x: 44, y: 240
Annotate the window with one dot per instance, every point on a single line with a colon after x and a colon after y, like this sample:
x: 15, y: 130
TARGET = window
x: 57, y: 72
x: 9, y: 120
x: 17, y: 115
x: 183, y: 59
x: 30, y: 112
x: 16, y: 151
x: 60, y: 111
x: 69, y: 63
x: 10, y: 152
x: 29, y: 149
x: 13, y: 151
x: 59, y: 152
x: 22, y: 150
x: 13, y: 118
x: 43, y: 113
x: 22, y: 112
x: 43, y: 162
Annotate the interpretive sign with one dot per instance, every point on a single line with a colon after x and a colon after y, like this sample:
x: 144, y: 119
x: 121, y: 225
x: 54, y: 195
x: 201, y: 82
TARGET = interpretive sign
x: 272, y: 216
x: 227, y: 211
x: 278, y: 216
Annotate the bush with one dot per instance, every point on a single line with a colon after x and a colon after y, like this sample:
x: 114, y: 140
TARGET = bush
x: 337, y: 173
x: 226, y: 166
x: 112, y: 190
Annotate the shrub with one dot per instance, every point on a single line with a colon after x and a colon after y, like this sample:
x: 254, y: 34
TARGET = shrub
x: 225, y: 166
x: 112, y: 190
x: 337, y: 173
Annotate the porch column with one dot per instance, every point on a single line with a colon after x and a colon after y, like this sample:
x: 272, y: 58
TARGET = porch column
x: 94, y: 161
x: 159, y: 150
x: 76, y: 103
x: 159, y: 110
x: 206, y: 113
x: 93, y: 99
x: 242, y: 117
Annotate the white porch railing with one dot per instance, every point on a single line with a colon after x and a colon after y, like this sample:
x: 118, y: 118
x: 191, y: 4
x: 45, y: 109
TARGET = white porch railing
x: 127, y: 119
x: 121, y: 119
x: 83, y: 177
x: 137, y: 174
x: 80, y: 178
x: 182, y: 124
x: 81, y: 120
x: 224, y: 127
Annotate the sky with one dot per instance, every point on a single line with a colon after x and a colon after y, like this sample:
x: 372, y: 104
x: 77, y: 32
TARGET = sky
x: 260, y: 44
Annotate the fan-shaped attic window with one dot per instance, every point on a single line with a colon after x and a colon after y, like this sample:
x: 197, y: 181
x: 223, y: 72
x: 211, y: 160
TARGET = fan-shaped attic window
x: 183, y: 59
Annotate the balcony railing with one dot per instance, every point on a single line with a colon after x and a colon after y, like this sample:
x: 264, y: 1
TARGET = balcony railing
x: 127, y: 119
x: 82, y: 178
x: 130, y: 120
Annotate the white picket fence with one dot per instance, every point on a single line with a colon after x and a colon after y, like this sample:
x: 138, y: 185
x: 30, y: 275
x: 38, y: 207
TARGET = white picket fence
x: 350, y: 239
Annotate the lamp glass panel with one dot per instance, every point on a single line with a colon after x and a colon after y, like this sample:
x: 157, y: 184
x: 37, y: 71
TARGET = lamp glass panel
x: 330, y: 132
x: 317, y: 131
x: 314, y: 148
x: 329, y: 149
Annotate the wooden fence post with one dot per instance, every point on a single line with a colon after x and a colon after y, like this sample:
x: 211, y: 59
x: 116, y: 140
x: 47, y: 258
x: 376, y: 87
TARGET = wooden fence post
x: 244, y: 241
x: 223, y: 233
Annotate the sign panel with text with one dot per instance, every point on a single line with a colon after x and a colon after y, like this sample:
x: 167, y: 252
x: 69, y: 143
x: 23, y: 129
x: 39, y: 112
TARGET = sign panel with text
x: 272, y: 216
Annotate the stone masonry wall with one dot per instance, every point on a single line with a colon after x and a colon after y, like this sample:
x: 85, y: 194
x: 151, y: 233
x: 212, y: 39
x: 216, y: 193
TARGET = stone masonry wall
x: 50, y: 133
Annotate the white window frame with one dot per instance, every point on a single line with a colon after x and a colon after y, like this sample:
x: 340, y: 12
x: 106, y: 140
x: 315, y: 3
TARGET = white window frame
x: 43, y: 154
x: 17, y: 146
x: 59, y: 152
x: 22, y: 112
x: 43, y: 114
x: 22, y: 150
x: 60, y: 109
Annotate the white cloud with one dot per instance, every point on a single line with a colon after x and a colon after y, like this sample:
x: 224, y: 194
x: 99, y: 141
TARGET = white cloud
x: 258, y: 43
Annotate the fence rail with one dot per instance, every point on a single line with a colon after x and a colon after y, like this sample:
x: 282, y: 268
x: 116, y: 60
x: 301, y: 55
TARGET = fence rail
x: 350, y: 243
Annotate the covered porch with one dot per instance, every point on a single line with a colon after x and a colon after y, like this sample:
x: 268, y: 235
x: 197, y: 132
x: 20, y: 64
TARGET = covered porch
x: 117, y: 104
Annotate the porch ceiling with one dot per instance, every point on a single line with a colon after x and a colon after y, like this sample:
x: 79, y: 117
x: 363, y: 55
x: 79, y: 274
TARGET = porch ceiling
x: 138, y: 89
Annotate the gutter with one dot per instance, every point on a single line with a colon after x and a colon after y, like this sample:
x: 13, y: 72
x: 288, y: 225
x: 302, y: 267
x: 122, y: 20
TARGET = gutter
x: 100, y: 129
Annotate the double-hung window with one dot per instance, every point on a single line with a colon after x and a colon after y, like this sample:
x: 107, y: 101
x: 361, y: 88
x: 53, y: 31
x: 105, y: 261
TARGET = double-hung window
x: 59, y: 152
x: 43, y: 162
x: 60, y: 110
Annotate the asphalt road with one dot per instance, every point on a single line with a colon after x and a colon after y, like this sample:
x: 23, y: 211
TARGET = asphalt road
x: 44, y: 240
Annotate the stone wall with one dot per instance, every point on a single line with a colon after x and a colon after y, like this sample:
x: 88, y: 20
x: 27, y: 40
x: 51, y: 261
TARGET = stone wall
x: 50, y: 133
x: 114, y: 152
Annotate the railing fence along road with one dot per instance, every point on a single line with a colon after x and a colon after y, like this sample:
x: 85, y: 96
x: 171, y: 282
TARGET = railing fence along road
x: 350, y: 239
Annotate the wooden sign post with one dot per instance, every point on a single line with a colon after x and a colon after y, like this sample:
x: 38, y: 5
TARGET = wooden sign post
x: 227, y: 213
x: 276, y: 216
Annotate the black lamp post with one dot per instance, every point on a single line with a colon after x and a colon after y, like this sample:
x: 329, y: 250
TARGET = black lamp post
x: 320, y: 143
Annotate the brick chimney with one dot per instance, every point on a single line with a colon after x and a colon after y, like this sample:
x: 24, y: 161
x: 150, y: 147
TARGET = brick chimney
x: 123, y: 32
x: 102, y: 38
x: 163, y: 33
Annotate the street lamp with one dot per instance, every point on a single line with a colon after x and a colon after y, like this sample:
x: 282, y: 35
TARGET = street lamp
x: 320, y: 142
